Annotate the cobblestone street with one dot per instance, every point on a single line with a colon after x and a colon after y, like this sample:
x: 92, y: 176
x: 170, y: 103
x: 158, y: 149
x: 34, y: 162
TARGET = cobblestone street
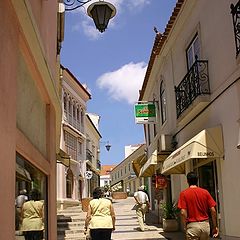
x: 126, y: 224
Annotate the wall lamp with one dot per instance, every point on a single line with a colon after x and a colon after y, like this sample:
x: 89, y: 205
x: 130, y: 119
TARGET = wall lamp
x: 101, y: 12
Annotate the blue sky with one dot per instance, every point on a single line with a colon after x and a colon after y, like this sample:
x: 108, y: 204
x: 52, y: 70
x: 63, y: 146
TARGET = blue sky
x: 113, y: 65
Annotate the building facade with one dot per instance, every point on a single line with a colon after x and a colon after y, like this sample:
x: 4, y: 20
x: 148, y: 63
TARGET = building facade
x: 71, y: 167
x: 193, y: 75
x: 93, y: 164
x: 105, y: 177
x: 30, y: 110
x: 123, y: 176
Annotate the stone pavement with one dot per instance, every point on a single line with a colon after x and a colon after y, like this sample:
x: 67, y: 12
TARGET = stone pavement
x: 126, y: 224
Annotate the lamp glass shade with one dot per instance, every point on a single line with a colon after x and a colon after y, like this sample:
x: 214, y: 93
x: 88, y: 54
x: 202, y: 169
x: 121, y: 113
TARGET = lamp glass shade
x: 108, y: 146
x: 101, y: 12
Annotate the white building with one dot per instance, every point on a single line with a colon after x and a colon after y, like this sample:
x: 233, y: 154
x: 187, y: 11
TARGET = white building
x: 93, y: 164
x: 199, y: 104
x: 123, y: 176
x: 71, y: 167
x: 105, y: 177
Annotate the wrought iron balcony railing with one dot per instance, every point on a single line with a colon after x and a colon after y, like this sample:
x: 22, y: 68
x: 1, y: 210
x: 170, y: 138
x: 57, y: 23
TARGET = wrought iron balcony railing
x: 194, y: 84
x: 235, y: 11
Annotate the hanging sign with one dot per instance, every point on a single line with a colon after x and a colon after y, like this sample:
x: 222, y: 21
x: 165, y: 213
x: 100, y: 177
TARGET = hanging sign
x: 88, y: 174
x: 161, y: 182
x: 145, y: 113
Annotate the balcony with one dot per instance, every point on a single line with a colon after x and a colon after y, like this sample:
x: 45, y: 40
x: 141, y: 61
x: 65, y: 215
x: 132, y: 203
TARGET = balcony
x: 192, y: 94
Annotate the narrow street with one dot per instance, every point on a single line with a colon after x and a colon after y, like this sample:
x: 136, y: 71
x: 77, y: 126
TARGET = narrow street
x: 126, y: 224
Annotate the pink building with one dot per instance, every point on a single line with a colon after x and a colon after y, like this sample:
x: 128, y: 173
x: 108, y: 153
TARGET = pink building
x: 30, y: 109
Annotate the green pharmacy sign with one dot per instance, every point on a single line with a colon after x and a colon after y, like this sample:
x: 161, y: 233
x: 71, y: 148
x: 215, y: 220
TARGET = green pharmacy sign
x: 145, y: 113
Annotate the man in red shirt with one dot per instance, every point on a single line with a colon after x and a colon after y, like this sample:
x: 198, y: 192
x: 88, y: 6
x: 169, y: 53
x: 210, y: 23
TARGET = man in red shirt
x: 195, y: 204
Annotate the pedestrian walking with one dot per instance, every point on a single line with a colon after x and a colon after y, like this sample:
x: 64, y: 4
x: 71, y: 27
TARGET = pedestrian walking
x: 20, y: 200
x: 142, y: 206
x: 195, y: 204
x: 100, y: 217
x: 33, y: 217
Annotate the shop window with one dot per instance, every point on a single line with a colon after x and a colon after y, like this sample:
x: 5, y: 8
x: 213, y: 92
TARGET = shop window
x: 30, y: 190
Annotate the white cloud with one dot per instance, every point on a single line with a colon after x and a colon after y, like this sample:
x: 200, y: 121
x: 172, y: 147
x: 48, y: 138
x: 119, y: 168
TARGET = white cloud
x: 124, y: 84
x: 90, y: 30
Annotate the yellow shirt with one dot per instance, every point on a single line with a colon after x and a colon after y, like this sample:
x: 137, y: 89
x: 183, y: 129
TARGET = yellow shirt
x: 101, y: 214
x: 32, y: 213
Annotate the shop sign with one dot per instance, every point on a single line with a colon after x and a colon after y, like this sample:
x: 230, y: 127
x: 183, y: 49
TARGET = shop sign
x: 161, y: 182
x: 145, y: 113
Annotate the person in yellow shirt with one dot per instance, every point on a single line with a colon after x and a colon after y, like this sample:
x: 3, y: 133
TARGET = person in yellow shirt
x: 33, y: 217
x: 100, y: 217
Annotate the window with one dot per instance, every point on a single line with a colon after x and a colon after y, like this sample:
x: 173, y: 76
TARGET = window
x: 70, y: 112
x: 80, y: 148
x: 31, y: 183
x: 129, y: 167
x: 65, y: 102
x: 149, y: 134
x: 193, y: 51
x: 163, y: 102
x: 71, y: 144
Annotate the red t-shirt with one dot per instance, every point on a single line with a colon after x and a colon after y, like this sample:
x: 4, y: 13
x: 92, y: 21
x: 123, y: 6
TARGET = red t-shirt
x: 197, y: 202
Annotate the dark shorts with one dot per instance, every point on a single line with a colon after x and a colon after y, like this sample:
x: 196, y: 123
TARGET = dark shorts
x: 101, y: 234
x: 33, y: 235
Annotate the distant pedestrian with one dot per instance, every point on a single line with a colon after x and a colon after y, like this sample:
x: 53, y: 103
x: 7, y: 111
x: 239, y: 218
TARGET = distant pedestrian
x: 100, y: 217
x: 142, y: 206
x: 195, y: 204
x: 128, y: 191
x: 20, y: 200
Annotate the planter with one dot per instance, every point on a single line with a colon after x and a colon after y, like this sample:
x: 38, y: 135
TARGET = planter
x: 170, y: 225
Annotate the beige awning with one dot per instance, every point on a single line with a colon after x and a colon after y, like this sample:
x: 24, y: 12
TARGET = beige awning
x: 148, y: 169
x: 63, y: 158
x: 137, y: 158
x: 207, y: 144
x: 23, y: 173
x: 92, y: 167
x: 138, y: 163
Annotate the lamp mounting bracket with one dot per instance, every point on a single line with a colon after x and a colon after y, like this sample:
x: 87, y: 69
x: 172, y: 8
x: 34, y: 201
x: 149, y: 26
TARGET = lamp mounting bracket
x: 74, y: 4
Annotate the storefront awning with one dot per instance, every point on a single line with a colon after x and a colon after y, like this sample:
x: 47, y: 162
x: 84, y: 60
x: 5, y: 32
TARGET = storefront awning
x: 91, y: 166
x: 23, y: 173
x: 148, y: 169
x: 207, y: 144
x: 63, y: 158
x: 138, y: 163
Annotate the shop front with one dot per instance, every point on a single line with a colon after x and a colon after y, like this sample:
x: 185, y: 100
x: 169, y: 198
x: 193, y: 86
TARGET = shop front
x: 200, y: 154
x: 31, y: 184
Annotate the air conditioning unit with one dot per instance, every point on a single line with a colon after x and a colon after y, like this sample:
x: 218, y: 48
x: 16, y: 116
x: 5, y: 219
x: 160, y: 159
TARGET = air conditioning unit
x: 165, y: 143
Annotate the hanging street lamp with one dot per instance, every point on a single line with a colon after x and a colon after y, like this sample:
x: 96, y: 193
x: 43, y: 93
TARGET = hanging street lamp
x: 101, y: 12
